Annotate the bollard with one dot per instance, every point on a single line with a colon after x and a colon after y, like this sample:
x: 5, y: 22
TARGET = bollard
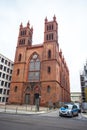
x: 5, y: 108
x: 16, y: 109
x: 31, y: 107
x: 26, y: 107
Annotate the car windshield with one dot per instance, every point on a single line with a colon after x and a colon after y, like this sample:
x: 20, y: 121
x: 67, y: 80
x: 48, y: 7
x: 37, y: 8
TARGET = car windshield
x: 67, y: 106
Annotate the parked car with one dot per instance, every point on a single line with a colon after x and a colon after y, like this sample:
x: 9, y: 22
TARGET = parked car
x: 69, y: 110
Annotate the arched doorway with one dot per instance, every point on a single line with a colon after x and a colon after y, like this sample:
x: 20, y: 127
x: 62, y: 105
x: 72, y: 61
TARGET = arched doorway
x: 27, y: 98
x: 32, y: 93
x: 27, y: 94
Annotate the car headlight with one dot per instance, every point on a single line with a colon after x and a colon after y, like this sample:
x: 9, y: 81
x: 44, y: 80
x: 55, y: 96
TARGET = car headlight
x: 69, y: 112
x: 59, y: 110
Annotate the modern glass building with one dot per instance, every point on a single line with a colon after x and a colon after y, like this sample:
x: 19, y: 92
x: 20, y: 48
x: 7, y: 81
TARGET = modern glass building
x: 6, y: 67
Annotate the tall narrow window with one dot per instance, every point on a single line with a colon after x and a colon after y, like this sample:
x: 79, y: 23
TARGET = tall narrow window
x: 47, y: 36
x: 0, y: 74
x: 49, y: 53
x: 47, y: 28
x: 19, y: 57
x: 18, y: 71
x: 2, y: 83
x: 15, y: 89
x: 48, y: 89
x: 21, y: 33
x: 1, y: 67
x: 2, y: 60
x: 49, y: 69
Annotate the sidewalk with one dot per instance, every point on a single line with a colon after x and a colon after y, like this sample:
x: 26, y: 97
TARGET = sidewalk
x: 22, y: 109
x: 84, y: 114
x: 26, y: 109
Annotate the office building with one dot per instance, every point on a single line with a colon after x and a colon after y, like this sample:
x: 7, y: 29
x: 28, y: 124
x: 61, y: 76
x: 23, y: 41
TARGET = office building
x: 6, y: 67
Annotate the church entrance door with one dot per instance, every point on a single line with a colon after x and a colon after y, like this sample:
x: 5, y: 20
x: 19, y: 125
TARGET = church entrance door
x: 27, y: 98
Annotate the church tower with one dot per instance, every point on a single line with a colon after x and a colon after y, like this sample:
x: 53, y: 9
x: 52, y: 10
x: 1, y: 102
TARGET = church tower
x: 50, y: 60
x: 51, y: 31
x: 51, y: 46
x: 18, y: 76
x: 25, y: 35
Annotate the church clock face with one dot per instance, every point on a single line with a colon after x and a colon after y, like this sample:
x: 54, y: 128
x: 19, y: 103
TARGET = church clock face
x: 34, y: 56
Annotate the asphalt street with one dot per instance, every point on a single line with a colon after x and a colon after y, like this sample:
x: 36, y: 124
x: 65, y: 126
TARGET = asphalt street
x: 47, y: 121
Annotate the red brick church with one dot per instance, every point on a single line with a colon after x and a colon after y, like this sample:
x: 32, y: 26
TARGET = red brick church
x: 40, y: 71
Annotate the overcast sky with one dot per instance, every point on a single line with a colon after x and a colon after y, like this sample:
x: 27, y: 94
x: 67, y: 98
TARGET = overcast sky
x: 71, y: 16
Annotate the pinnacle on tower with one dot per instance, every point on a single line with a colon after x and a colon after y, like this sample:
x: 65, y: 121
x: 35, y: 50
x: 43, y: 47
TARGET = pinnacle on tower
x: 32, y: 29
x: 21, y: 26
x: 28, y: 24
x: 46, y: 19
x: 54, y: 18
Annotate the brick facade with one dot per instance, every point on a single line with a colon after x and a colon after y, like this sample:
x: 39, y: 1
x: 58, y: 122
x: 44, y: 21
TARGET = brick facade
x: 39, y: 69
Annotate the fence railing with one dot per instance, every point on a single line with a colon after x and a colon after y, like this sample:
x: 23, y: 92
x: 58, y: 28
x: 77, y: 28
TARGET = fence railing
x: 22, y: 109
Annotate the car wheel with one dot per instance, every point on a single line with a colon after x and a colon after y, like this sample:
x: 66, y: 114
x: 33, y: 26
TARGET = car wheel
x: 60, y: 115
x: 77, y: 114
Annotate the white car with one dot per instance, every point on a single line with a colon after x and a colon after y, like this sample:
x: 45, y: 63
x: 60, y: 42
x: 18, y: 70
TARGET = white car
x: 69, y: 110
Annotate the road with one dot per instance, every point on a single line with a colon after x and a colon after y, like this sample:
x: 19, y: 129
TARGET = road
x: 48, y: 121
x: 56, y: 114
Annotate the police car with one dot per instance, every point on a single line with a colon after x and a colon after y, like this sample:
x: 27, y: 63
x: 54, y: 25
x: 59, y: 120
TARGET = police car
x: 69, y: 110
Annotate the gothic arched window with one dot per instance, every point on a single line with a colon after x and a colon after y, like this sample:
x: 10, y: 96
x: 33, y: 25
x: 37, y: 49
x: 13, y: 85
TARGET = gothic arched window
x: 19, y: 57
x: 18, y: 71
x: 49, y: 53
x: 34, y: 68
x: 49, y: 69
x: 15, y: 88
x: 48, y: 89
